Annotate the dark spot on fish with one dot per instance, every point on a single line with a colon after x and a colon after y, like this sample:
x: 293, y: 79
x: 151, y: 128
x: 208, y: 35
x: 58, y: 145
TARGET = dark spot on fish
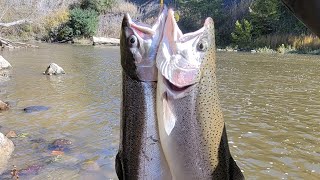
x: 154, y: 140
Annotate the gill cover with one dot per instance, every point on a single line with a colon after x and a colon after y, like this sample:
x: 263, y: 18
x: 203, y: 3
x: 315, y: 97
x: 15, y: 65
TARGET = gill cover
x: 180, y: 55
x: 139, y: 45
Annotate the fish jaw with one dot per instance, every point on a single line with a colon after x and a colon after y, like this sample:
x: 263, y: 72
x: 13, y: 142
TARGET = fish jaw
x: 139, y: 44
x: 180, y: 56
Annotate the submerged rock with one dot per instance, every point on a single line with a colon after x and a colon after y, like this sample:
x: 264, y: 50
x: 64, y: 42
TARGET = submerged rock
x: 31, y: 170
x: 60, y: 145
x: 39, y: 144
x: 90, y: 166
x: 11, y: 134
x: 31, y: 109
x: 6, y: 149
x: 4, y: 106
x: 54, y: 69
x: 4, y: 64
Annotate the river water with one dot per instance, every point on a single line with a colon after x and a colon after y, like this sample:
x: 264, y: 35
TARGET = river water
x: 271, y: 105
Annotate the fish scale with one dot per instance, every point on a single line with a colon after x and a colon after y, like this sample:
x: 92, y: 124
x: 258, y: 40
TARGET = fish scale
x: 140, y: 156
x: 140, y: 141
x: 191, y: 125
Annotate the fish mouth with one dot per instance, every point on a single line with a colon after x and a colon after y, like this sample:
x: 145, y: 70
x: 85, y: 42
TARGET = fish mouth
x: 142, y: 51
x: 176, y: 92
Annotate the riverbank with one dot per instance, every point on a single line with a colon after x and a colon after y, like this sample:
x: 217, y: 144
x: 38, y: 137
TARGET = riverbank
x: 267, y: 50
x: 283, y: 44
x: 72, y: 21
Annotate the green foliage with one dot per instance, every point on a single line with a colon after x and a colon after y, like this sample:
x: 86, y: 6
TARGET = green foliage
x: 256, y: 19
x: 98, y: 5
x: 193, y: 12
x: 61, y: 34
x: 264, y: 16
x: 242, y: 34
x: 289, y: 24
x: 84, y: 22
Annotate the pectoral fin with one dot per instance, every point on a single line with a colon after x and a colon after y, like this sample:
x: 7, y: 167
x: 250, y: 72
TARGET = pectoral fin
x: 169, y: 117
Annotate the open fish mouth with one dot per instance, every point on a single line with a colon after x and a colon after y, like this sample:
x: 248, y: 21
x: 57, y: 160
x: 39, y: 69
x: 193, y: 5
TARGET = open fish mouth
x: 174, y: 92
x: 176, y: 88
x: 178, y: 58
x: 141, y: 42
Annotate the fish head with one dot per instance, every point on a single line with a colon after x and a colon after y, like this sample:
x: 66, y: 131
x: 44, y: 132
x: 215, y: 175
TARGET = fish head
x: 139, y: 45
x: 182, y: 58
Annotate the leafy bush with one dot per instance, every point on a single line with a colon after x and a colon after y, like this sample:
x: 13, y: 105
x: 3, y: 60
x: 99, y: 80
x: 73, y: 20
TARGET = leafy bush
x: 84, y: 22
x: 61, y: 34
x: 242, y: 34
x: 81, y: 23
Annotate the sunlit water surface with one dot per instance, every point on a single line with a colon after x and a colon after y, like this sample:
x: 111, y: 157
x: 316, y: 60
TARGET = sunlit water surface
x: 271, y: 105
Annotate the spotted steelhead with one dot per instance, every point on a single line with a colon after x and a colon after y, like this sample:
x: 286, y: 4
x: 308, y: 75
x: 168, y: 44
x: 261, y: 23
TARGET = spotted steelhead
x: 191, y: 125
x: 140, y: 155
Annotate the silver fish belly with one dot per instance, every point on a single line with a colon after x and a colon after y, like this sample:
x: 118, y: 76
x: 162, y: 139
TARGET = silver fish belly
x: 191, y: 125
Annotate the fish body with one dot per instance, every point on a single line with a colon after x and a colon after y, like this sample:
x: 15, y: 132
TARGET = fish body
x: 140, y: 155
x: 191, y: 125
x: 307, y: 11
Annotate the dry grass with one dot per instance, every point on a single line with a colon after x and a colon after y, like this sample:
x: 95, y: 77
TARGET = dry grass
x: 122, y: 7
x: 283, y: 43
x: 309, y: 43
x: 272, y: 41
x: 40, y: 12
x: 56, y: 18
x: 110, y: 23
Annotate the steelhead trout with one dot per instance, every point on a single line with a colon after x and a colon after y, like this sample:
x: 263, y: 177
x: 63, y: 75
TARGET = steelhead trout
x: 140, y: 155
x: 191, y: 125
x: 308, y: 11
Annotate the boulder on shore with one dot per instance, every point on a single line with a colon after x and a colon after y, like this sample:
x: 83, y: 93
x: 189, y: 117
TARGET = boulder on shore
x: 3, y: 106
x: 6, y: 149
x: 54, y: 69
x: 4, y: 64
x: 105, y: 41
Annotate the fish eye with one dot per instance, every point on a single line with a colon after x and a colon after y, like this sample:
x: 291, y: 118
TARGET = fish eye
x: 132, y: 40
x: 202, y: 46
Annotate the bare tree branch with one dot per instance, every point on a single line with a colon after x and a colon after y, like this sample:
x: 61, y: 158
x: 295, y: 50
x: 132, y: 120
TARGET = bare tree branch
x: 4, y: 10
x: 22, y: 21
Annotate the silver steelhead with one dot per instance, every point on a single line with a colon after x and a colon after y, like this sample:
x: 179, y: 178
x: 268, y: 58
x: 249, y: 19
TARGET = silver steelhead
x: 140, y: 154
x: 191, y: 125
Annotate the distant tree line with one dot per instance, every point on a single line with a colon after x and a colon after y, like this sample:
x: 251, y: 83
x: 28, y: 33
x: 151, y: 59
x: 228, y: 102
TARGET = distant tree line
x: 243, y: 23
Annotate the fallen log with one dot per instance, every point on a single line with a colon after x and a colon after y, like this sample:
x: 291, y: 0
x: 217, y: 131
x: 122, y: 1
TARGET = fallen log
x: 6, y: 43
x: 105, y: 41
